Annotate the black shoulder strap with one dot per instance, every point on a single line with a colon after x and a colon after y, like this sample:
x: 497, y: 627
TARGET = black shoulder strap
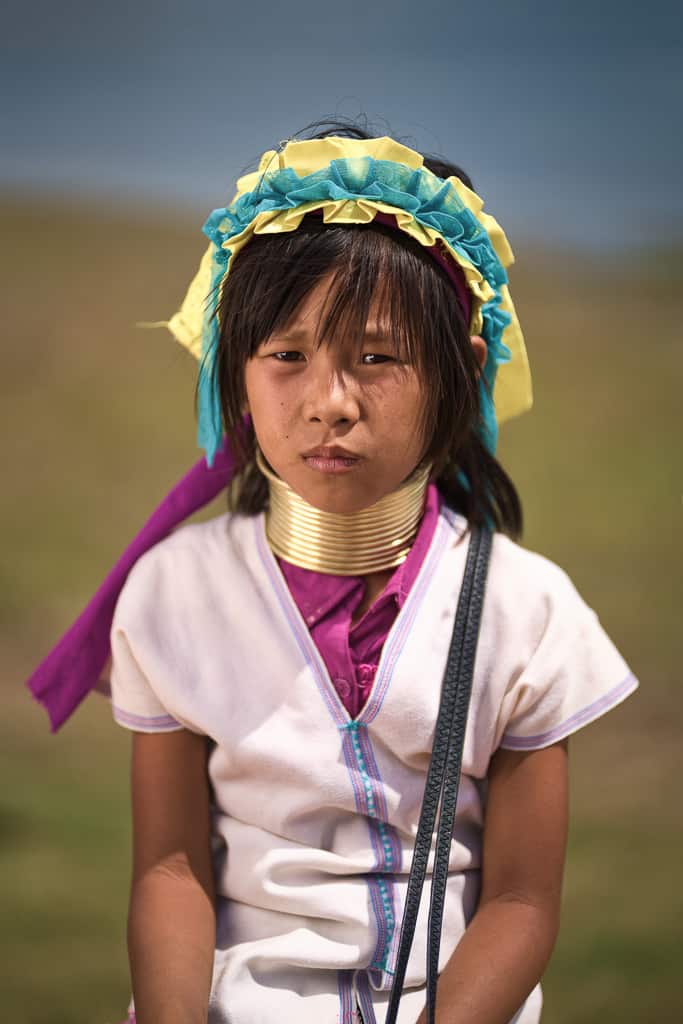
x: 443, y: 776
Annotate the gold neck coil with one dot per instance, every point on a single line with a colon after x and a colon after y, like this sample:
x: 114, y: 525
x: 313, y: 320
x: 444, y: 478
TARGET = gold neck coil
x: 344, y: 544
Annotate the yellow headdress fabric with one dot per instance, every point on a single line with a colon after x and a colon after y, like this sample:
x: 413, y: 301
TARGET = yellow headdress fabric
x: 349, y: 181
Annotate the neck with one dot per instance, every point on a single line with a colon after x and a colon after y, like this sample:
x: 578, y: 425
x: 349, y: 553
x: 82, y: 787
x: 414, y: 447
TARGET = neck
x: 344, y: 544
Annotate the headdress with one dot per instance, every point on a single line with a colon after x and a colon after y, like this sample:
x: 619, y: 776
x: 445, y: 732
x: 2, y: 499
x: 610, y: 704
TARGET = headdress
x: 355, y: 181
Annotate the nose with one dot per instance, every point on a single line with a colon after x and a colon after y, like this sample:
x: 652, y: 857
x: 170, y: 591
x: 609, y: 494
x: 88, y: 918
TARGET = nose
x: 332, y: 396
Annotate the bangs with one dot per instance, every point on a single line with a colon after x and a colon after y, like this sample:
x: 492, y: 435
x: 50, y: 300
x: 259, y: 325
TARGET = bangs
x: 371, y: 277
x: 273, y: 275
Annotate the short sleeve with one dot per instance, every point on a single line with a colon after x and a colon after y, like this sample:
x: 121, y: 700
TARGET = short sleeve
x: 135, y: 704
x: 574, y: 675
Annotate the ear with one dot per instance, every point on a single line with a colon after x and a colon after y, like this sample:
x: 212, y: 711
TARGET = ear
x: 480, y: 350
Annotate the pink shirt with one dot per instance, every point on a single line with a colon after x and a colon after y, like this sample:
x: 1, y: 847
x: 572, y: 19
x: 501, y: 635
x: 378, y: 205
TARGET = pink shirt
x: 327, y: 604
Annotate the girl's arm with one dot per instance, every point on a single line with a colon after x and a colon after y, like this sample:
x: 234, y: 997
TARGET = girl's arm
x: 171, y: 921
x: 508, y: 942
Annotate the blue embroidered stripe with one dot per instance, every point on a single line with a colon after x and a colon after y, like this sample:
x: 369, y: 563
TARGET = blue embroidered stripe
x: 386, y: 920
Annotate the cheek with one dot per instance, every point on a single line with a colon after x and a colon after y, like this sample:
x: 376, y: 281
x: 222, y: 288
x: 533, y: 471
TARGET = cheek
x: 402, y: 402
x: 268, y: 400
x: 258, y: 388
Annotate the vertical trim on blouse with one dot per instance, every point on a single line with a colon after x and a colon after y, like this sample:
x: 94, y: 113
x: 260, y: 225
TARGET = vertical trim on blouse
x: 361, y: 765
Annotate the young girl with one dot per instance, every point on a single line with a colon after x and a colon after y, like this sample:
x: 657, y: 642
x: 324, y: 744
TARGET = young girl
x: 281, y: 665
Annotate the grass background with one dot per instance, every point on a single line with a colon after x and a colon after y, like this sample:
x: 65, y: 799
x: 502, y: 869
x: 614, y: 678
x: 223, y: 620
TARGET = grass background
x: 98, y: 422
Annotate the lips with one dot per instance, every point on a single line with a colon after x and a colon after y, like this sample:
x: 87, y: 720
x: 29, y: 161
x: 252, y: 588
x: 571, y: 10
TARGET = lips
x: 331, y: 459
x: 334, y: 451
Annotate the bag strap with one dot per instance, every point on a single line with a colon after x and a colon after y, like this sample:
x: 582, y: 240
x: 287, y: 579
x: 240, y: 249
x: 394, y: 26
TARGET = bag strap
x: 443, y: 775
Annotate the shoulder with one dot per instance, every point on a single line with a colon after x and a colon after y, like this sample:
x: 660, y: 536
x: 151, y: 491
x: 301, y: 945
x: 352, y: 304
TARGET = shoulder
x: 193, y: 560
x: 520, y: 581
x: 530, y: 598
x: 517, y: 571
x: 545, y: 665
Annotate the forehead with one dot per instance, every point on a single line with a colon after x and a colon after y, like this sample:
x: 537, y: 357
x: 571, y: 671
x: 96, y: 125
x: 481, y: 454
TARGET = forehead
x: 311, y: 315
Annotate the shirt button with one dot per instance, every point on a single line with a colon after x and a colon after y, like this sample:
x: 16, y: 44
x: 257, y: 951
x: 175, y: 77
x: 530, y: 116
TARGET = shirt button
x: 367, y: 674
x: 343, y: 687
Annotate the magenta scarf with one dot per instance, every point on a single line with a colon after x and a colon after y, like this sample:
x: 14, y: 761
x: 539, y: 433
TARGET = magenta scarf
x: 74, y: 666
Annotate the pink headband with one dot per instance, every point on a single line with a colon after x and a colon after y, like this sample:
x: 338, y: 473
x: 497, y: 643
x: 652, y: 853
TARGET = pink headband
x: 454, y: 272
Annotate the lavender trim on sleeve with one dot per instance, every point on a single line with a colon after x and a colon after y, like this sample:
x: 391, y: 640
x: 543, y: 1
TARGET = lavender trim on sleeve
x: 155, y: 723
x: 575, y: 721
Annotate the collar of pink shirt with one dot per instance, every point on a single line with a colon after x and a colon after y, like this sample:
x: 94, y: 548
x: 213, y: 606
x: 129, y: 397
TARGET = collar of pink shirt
x: 317, y: 593
x: 352, y: 650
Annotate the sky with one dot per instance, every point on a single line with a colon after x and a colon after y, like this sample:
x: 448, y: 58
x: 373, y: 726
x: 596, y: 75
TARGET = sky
x: 566, y: 115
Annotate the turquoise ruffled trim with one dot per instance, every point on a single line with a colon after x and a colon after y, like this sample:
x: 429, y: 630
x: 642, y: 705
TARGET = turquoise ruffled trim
x: 432, y: 202
x: 209, y: 416
x: 495, y: 320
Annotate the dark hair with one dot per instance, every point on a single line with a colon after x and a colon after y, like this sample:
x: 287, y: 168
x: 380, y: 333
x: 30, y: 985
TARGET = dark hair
x: 270, y: 278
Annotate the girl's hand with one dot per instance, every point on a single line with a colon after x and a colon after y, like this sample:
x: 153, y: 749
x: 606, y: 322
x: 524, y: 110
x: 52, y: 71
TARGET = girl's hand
x: 508, y: 942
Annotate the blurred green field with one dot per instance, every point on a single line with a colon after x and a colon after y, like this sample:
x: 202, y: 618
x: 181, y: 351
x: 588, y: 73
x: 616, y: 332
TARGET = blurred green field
x: 98, y: 422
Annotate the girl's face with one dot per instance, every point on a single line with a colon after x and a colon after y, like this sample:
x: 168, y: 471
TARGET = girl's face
x: 342, y: 428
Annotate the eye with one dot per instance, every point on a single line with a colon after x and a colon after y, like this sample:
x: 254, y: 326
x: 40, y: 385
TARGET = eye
x: 375, y: 358
x: 288, y: 356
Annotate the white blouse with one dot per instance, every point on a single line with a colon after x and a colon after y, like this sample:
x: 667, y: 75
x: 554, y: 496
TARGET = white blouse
x: 315, y: 813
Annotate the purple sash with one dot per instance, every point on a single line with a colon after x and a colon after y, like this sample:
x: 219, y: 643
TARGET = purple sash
x: 73, y: 667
